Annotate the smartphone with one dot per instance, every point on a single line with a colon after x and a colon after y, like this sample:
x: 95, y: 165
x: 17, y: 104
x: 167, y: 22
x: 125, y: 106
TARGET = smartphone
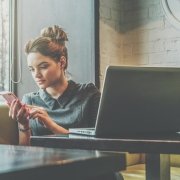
x: 8, y: 96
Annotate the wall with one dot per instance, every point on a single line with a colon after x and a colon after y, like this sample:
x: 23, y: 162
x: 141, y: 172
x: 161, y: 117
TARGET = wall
x: 136, y: 32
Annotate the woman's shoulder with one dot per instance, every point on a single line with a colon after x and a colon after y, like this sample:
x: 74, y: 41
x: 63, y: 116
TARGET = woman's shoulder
x: 28, y: 97
x: 85, y: 87
x: 31, y: 94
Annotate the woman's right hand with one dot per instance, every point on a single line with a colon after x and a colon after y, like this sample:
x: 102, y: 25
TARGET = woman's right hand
x: 19, y: 112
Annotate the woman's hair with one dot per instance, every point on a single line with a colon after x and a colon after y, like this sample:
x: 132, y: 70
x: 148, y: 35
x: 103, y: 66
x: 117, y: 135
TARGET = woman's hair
x: 51, y: 43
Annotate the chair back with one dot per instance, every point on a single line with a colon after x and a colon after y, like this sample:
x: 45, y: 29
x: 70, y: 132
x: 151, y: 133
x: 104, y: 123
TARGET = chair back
x: 8, y: 127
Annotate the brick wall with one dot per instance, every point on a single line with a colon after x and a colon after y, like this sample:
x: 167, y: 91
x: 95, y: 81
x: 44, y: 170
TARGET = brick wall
x: 136, y: 32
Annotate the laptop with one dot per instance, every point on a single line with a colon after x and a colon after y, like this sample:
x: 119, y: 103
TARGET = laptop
x: 137, y: 101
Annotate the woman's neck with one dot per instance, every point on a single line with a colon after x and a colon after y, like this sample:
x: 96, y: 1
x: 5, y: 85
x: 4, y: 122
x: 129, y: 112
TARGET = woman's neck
x: 58, y: 89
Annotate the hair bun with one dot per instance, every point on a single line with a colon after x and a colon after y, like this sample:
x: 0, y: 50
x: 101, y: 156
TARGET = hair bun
x: 55, y: 33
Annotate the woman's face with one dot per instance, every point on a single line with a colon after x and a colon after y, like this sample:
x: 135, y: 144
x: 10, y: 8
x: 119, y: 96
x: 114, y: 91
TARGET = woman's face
x: 45, y: 71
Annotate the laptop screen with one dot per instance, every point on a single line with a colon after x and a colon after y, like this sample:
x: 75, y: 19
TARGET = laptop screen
x: 139, y: 100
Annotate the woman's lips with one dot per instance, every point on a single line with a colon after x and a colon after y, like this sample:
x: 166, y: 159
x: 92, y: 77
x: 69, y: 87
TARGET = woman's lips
x: 40, y: 81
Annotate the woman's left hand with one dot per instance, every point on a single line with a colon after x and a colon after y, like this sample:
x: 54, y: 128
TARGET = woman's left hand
x: 41, y: 115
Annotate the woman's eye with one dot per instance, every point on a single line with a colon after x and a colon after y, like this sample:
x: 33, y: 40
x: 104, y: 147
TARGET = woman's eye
x: 31, y: 70
x: 43, y: 67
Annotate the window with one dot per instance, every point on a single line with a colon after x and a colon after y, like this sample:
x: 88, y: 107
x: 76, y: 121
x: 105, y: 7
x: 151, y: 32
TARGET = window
x: 4, y: 45
x: 5, y: 52
x: 82, y: 34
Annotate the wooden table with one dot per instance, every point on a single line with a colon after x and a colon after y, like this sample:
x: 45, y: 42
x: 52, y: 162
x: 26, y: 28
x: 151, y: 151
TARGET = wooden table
x: 35, y: 163
x: 157, y: 150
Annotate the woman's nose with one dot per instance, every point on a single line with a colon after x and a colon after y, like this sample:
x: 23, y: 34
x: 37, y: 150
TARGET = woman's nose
x: 37, y: 73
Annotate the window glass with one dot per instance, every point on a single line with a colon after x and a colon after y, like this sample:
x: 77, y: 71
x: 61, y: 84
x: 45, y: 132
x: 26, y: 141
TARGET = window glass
x: 4, y: 46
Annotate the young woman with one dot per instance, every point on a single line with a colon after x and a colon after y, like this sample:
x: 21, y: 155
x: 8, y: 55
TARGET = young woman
x: 60, y: 103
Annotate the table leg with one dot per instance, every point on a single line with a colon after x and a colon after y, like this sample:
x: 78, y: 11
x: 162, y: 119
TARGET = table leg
x: 157, y: 167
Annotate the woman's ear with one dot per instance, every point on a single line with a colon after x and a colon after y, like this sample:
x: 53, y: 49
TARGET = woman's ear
x: 62, y: 62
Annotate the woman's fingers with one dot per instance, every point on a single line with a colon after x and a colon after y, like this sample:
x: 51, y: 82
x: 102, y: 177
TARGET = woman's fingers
x: 22, y: 113
x: 18, y: 111
x: 13, y: 109
x: 39, y: 114
x: 35, y: 112
x: 16, y: 108
x: 32, y: 107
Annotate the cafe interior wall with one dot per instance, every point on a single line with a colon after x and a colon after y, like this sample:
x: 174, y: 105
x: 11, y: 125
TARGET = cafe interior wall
x: 136, y: 32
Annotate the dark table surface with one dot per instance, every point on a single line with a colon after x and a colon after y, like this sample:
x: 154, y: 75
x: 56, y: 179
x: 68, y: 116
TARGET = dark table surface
x: 20, y: 162
x: 163, y: 145
x: 157, y: 148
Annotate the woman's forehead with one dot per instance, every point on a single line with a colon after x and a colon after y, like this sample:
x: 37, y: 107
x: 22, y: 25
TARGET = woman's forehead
x: 37, y: 58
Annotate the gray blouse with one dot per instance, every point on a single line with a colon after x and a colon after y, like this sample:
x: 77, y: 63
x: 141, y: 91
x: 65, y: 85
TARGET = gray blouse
x: 76, y: 107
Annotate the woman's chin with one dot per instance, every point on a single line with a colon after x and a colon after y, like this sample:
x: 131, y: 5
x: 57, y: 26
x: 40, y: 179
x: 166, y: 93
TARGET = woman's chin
x: 41, y: 86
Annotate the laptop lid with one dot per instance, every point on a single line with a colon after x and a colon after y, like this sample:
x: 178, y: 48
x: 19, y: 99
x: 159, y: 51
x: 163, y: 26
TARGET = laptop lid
x: 139, y: 100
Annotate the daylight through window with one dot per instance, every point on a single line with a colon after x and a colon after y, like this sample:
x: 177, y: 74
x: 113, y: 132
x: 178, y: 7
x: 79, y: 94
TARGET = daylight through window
x: 4, y: 45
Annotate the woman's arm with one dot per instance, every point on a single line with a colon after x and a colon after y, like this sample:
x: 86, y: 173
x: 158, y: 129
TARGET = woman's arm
x: 42, y: 116
x: 24, y: 134
x: 19, y: 113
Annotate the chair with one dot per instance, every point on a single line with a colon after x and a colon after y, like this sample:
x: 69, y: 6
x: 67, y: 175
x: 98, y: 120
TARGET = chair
x: 8, y: 127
